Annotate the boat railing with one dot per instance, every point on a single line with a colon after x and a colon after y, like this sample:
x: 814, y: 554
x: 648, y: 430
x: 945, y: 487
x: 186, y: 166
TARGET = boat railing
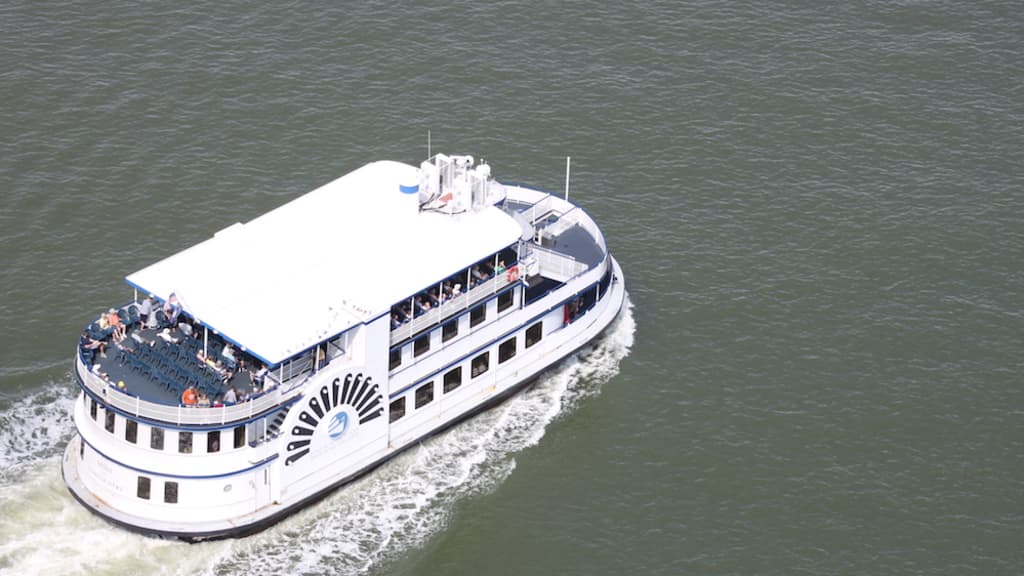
x: 551, y: 215
x: 133, y: 405
x: 556, y: 265
x: 452, y: 306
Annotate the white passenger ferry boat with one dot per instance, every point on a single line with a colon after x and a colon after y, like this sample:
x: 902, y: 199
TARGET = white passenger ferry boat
x: 289, y: 355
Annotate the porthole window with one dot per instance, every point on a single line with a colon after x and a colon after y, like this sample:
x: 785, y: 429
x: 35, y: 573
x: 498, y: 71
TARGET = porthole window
x: 534, y: 334
x: 171, y: 492
x: 213, y: 441
x: 239, y: 436
x: 156, y: 438
x: 425, y: 394
x: 505, y: 300
x: 142, y: 490
x: 452, y: 379
x: 109, y: 421
x: 450, y: 330
x: 131, y: 431
x: 506, y: 350
x: 92, y: 408
x: 396, y: 358
x: 185, y: 442
x: 480, y: 364
x: 421, y: 345
x: 397, y: 409
x: 477, y: 315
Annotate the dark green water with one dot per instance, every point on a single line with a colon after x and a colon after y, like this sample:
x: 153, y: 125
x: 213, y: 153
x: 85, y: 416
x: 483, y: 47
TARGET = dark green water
x: 819, y: 208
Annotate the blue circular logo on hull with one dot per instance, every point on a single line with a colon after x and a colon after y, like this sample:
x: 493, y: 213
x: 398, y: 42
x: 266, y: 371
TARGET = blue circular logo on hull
x: 338, y: 425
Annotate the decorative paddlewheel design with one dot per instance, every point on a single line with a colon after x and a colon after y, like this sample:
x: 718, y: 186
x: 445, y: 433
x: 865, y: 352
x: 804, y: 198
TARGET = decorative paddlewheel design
x: 362, y: 399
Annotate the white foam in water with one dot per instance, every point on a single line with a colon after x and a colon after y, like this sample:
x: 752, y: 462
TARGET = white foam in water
x: 43, y: 530
x: 402, y: 504
x: 34, y: 427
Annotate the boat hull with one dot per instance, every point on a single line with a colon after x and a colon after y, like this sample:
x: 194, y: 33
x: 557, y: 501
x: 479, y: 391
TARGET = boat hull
x: 275, y: 512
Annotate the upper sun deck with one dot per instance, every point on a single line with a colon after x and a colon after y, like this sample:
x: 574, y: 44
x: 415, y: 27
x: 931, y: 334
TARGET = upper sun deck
x: 337, y: 256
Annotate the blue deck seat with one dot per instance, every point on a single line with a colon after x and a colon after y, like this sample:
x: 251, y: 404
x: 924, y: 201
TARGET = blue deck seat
x: 133, y: 314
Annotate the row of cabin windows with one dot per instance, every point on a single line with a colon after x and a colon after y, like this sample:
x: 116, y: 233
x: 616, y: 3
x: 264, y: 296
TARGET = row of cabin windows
x: 478, y: 366
x: 170, y: 490
x: 156, y: 435
x: 144, y: 485
x: 450, y: 329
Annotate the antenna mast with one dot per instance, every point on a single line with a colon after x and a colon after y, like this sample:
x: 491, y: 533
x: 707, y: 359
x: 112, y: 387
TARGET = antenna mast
x: 567, y: 159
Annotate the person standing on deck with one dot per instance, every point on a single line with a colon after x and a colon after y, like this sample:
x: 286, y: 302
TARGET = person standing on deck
x: 145, y: 309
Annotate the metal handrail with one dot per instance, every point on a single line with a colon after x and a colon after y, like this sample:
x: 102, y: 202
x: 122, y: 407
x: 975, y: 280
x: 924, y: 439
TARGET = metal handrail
x: 451, y: 306
x: 180, y: 415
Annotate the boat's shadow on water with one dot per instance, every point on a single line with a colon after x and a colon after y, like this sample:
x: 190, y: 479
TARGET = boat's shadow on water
x: 354, y: 531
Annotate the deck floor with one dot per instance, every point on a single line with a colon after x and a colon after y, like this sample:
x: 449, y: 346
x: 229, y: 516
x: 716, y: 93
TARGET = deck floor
x: 118, y: 367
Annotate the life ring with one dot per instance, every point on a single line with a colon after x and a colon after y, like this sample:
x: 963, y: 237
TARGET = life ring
x: 512, y: 274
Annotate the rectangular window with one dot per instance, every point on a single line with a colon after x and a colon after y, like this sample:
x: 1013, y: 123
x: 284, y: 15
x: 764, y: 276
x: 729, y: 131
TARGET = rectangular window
x: 507, y: 350
x: 397, y: 409
x: 92, y: 408
x: 131, y: 431
x: 450, y: 330
x: 142, y: 491
x: 505, y: 300
x: 171, y: 492
x: 480, y: 364
x: 213, y: 441
x: 239, y: 436
x: 396, y: 358
x: 156, y: 438
x: 184, y: 442
x: 477, y: 315
x: 109, y: 424
x: 452, y: 379
x: 425, y: 394
x: 534, y: 334
x: 421, y: 345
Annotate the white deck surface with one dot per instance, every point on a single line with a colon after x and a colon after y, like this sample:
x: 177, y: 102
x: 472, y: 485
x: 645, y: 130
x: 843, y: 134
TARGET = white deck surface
x: 339, y: 255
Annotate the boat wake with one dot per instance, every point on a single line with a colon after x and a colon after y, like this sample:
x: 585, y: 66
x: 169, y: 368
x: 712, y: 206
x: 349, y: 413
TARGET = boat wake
x: 357, y: 530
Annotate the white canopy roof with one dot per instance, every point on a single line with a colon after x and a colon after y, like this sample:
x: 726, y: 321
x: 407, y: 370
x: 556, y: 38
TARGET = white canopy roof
x: 337, y: 256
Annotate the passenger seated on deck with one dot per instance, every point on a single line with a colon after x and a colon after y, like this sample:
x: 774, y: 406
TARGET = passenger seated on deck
x: 105, y: 329
x: 403, y: 312
x: 190, y: 396
x: 96, y: 370
x: 114, y: 321
x: 478, y: 276
x: 431, y: 297
x: 165, y: 335
x: 257, y: 377
x: 203, y: 400
x: 205, y: 360
x: 91, y: 345
x: 500, y: 267
x: 228, y: 353
x: 422, y: 304
x: 230, y: 396
x: 222, y: 371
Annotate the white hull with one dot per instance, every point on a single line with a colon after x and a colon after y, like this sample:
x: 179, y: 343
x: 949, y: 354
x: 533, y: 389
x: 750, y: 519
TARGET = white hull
x: 171, y: 470
x: 278, y: 501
